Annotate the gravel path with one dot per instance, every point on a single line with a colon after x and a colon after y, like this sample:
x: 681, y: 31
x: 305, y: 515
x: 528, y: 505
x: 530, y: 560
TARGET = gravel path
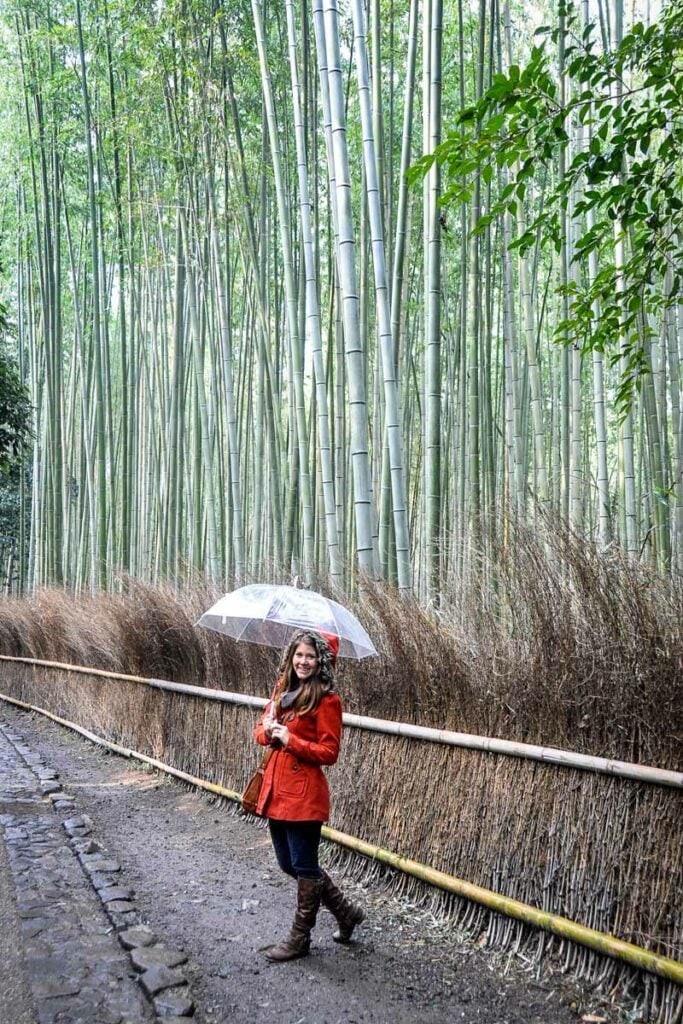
x: 206, y: 882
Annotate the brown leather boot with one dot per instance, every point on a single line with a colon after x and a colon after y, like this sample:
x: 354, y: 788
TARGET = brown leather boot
x: 348, y: 914
x: 298, y: 942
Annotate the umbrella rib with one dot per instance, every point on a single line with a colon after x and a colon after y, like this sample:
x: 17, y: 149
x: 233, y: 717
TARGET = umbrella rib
x: 247, y: 623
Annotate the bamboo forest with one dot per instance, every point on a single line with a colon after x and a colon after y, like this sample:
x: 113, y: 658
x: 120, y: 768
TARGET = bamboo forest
x: 337, y: 288
x: 344, y: 336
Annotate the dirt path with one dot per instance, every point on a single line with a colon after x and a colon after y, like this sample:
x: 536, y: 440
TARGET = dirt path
x: 206, y: 880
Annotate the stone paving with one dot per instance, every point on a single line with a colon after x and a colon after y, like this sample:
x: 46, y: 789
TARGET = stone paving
x: 74, y: 943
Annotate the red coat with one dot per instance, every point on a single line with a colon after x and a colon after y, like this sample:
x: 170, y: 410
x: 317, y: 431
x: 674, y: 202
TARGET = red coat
x: 294, y: 786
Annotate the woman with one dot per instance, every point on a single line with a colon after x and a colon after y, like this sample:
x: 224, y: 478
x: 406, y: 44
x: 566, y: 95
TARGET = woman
x: 303, y: 724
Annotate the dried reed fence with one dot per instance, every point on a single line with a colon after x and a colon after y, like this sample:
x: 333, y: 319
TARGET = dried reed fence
x: 190, y: 732
x: 570, y: 650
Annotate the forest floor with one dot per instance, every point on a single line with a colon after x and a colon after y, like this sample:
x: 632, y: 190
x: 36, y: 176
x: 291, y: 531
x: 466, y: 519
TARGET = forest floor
x: 205, y: 881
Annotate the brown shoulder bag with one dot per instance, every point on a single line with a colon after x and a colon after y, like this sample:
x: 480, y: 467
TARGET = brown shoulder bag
x: 252, y: 789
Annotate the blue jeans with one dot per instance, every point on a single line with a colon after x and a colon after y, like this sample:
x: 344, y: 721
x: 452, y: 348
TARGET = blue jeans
x: 296, y: 846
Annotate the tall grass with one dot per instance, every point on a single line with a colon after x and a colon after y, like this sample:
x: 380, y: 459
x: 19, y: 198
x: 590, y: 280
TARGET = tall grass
x: 560, y: 646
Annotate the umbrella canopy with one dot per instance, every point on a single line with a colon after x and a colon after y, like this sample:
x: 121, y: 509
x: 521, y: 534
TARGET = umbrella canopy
x: 270, y: 614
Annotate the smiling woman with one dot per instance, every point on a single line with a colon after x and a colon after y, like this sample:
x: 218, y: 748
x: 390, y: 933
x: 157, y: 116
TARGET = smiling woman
x: 305, y: 661
x: 302, y: 724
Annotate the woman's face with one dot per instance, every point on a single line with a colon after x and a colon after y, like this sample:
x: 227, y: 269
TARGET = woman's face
x: 305, y: 662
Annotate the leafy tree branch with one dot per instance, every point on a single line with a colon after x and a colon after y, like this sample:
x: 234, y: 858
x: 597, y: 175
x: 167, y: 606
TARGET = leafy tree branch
x: 627, y: 170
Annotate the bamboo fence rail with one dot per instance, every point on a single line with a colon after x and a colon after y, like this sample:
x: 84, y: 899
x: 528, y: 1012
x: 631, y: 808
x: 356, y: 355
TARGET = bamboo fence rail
x: 488, y: 744
x: 608, y: 945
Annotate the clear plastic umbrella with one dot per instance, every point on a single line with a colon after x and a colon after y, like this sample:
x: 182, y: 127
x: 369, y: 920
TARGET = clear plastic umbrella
x: 270, y: 614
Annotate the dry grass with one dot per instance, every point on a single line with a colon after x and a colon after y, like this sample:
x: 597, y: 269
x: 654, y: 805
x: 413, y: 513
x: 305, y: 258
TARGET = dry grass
x: 560, y: 647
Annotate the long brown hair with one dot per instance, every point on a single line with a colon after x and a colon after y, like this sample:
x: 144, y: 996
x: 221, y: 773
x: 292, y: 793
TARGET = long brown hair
x: 312, y: 690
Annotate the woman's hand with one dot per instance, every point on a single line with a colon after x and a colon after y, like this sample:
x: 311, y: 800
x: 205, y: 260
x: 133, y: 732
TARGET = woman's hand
x: 268, y: 721
x: 281, y: 733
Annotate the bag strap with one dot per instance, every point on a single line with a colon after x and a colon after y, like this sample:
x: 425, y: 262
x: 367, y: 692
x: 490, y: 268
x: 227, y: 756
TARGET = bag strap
x: 266, y: 758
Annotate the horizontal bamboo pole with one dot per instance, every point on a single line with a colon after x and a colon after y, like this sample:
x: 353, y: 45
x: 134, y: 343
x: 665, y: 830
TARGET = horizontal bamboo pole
x: 600, y: 942
x: 487, y: 744
x: 160, y: 684
x: 528, y: 751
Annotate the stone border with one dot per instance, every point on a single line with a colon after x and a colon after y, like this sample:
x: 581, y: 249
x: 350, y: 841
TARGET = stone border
x: 157, y: 965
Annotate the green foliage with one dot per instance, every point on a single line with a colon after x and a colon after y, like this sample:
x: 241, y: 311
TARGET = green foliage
x: 629, y: 173
x: 15, y: 431
x: 15, y: 411
x: 9, y: 516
